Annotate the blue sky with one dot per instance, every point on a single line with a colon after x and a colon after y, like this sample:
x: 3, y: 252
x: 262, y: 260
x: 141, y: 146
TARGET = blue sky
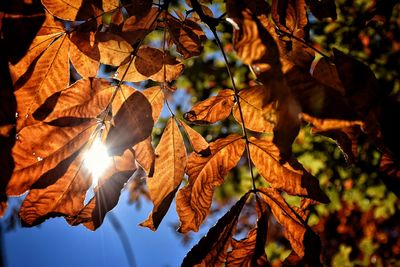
x: 56, y: 244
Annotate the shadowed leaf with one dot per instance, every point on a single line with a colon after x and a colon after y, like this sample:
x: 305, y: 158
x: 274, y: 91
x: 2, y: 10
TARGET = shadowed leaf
x: 193, y: 201
x: 169, y: 169
x: 323, y: 9
x: 199, y: 144
x: 132, y: 123
x: 135, y: 29
x: 212, y: 249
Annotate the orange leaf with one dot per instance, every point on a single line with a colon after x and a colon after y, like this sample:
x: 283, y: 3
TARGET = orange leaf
x: 258, y: 116
x: 70, y: 9
x: 290, y: 177
x: 84, y: 65
x: 145, y: 155
x: 193, y: 201
x: 169, y: 169
x: 199, y: 144
x: 135, y: 29
x: 303, y: 240
x: 212, y: 249
x: 213, y: 109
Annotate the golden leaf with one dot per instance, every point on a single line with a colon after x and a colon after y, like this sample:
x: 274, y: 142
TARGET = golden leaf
x: 290, y: 177
x: 169, y: 169
x: 213, y: 109
x: 193, y: 201
x: 259, y: 113
x: 199, y: 144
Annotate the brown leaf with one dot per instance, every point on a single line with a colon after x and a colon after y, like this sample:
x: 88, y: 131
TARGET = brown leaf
x: 303, y: 240
x: 86, y: 98
x: 166, y: 68
x: 325, y: 72
x: 156, y: 98
x: 290, y: 16
x: 187, y: 36
x: 361, y: 86
x: 250, y: 251
x: 147, y: 61
x: 193, y: 201
x: 107, y: 192
x: 258, y: 116
x: 199, y: 144
x: 135, y: 29
x: 323, y: 9
x: 50, y: 75
x: 212, y: 249
x: 70, y: 9
x: 138, y: 8
x: 145, y: 155
x: 3, y: 208
x: 329, y: 124
x: 34, y: 157
x: 105, y: 47
x: 169, y: 170
x: 290, y: 177
x: 84, y: 65
x: 213, y: 109
x: 132, y: 123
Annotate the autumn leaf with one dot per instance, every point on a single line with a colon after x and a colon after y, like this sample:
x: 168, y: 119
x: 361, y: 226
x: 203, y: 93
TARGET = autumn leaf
x: 212, y: 249
x: 105, y: 47
x: 303, y: 240
x: 137, y: 8
x: 132, y: 123
x: 145, y: 155
x: 213, y: 109
x: 169, y: 170
x: 187, y: 35
x: 71, y: 9
x: 33, y: 157
x: 259, y: 113
x: 154, y: 65
x: 250, y: 251
x: 193, y: 201
x: 84, y: 65
x: 135, y: 28
x: 290, y: 177
x: 290, y: 15
x: 325, y: 72
x: 199, y: 144
x: 106, y: 193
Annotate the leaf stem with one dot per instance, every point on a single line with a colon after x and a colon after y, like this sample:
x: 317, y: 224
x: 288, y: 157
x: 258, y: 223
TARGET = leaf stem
x: 237, y: 98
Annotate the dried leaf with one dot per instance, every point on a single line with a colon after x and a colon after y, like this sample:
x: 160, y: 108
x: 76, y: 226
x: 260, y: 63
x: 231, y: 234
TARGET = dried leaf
x: 105, y: 47
x: 258, y: 116
x: 84, y: 65
x: 135, y: 29
x: 145, y: 155
x: 138, y: 8
x: 193, y: 201
x: 132, y: 123
x: 33, y: 157
x: 213, y: 109
x: 166, y: 68
x: 147, y: 61
x: 156, y: 98
x: 187, y: 36
x: 212, y: 248
x: 290, y: 177
x: 290, y: 16
x: 250, y: 251
x: 325, y: 72
x: 199, y: 144
x: 303, y: 240
x: 70, y: 9
x: 107, y: 192
x: 169, y: 170
x: 361, y: 86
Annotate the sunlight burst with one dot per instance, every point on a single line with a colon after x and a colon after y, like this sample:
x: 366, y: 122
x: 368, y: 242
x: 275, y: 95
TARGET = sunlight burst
x: 97, y: 160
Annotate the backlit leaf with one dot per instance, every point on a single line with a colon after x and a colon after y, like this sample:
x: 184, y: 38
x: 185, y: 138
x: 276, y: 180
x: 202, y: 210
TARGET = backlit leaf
x: 107, y: 192
x: 145, y: 155
x: 212, y: 249
x: 169, y: 169
x: 135, y: 29
x: 258, y: 116
x: 290, y: 177
x: 70, y: 9
x: 213, y: 109
x: 84, y: 65
x: 193, y: 201
x: 199, y: 144
x: 303, y: 240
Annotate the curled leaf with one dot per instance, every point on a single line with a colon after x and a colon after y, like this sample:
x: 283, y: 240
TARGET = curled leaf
x: 199, y: 144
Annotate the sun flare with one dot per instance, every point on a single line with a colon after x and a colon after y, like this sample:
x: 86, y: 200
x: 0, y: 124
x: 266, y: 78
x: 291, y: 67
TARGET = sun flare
x: 97, y: 160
